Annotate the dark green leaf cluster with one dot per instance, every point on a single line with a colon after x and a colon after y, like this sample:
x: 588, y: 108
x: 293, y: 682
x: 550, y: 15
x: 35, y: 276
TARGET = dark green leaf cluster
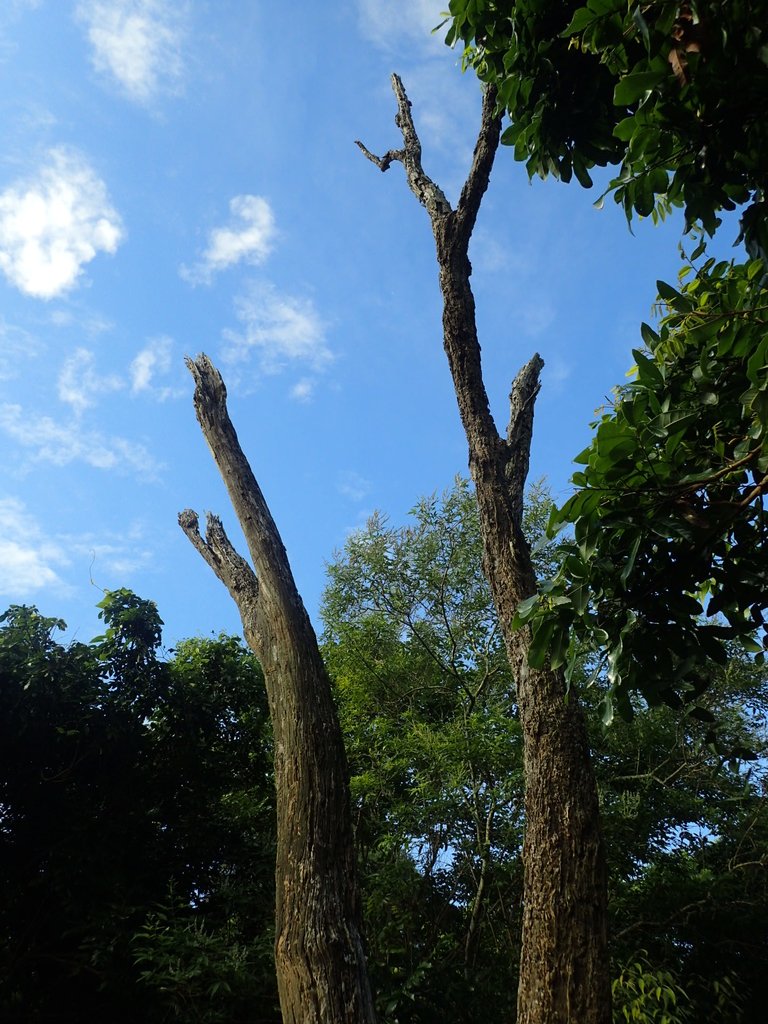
x: 667, y: 560
x: 136, y: 824
x: 673, y: 92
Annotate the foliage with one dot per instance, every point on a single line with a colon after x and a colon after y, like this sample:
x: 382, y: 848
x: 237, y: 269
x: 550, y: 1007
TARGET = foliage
x: 686, y: 832
x: 671, y: 91
x: 203, y: 974
x: 647, y: 996
x: 426, y: 703
x: 124, y: 778
x: 668, y: 519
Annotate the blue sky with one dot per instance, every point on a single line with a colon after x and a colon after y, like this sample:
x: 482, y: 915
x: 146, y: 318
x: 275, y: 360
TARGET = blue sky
x: 180, y: 176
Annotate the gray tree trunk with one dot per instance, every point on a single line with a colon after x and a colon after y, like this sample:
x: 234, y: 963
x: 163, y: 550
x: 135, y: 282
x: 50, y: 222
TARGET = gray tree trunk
x: 564, y: 977
x: 321, y: 970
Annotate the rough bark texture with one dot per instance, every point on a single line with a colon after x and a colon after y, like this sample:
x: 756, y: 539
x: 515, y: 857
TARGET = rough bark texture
x: 320, y: 963
x: 564, y: 967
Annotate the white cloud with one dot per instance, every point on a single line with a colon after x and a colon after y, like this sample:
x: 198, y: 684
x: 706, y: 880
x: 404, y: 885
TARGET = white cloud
x: 280, y: 329
x: 79, y: 383
x: 137, y: 42
x: 28, y: 559
x: 390, y: 23
x: 16, y: 345
x: 91, y: 323
x: 353, y: 486
x: 116, y: 554
x: 154, y: 359
x: 53, y: 224
x: 63, y: 443
x: 303, y: 389
x: 31, y: 561
x: 251, y: 240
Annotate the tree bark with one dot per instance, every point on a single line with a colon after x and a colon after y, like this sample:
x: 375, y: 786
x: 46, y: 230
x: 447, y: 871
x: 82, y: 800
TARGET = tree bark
x: 320, y: 963
x: 564, y: 976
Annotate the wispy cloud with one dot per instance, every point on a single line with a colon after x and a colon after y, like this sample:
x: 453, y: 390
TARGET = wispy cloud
x: 138, y: 43
x: 353, y: 486
x: 16, y: 345
x: 303, y: 389
x: 535, y: 317
x: 29, y: 559
x: 154, y: 360
x: 86, y: 322
x: 491, y: 255
x: 249, y: 239
x: 118, y: 554
x: 60, y: 444
x: 53, y: 223
x: 390, y: 23
x: 80, y: 384
x: 34, y: 559
x: 556, y: 373
x: 278, y: 329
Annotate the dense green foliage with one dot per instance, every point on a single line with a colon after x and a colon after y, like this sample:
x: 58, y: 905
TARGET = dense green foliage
x: 668, y: 518
x: 425, y: 697
x: 673, y: 92
x: 412, y: 635
x: 136, y: 850
x: 136, y: 832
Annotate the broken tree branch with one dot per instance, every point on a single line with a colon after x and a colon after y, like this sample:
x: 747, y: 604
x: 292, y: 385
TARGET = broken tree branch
x: 319, y: 958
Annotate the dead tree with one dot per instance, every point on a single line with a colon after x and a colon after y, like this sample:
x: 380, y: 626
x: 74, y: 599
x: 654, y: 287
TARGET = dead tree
x: 320, y: 963
x: 564, y: 969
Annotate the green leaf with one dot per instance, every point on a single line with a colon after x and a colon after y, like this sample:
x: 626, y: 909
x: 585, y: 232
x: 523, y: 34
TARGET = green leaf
x: 630, y: 563
x: 632, y: 87
x: 540, y: 643
x: 642, y: 25
x: 649, y: 336
x: 581, y: 19
x: 605, y: 710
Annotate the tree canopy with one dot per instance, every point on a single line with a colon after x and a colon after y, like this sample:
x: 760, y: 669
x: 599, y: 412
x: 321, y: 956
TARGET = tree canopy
x: 137, y: 821
x: 433, y: 735
x: 665, y: 564
x: 671, y: 92
x: 136, y: 824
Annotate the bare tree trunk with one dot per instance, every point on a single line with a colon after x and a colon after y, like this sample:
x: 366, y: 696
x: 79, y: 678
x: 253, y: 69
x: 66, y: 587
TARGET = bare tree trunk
x: 321, y: 970
x: 564, y: 969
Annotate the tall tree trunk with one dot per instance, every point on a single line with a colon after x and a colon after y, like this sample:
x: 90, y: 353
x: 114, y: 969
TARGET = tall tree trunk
x: 321, y: 970
x: 564, y: 969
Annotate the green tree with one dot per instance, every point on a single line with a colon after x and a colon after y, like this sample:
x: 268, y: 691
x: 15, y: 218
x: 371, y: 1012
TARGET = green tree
x: 668, y: 514
x: 563, y: 962
x: 672, y: 91
x: 411, y: 632
x: 129, y: 784
x: 425, y: 696
x: 668, y: 518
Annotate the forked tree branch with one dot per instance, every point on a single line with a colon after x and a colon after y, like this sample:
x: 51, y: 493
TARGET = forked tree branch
x: 452, y: 230
x: 319, y: 956
x: 219, y: 553
x: 429, y: 194
x: 563, y: 975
